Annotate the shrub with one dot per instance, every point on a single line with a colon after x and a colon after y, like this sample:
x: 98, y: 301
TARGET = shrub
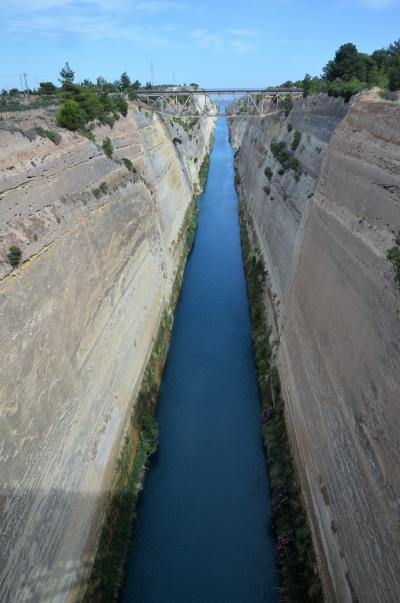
x: 121, y: 104
x: 387, y: 95
x: 70, y: 115
x: 393, y: 255
x: 50, y: 134
x: 345, y: 89
x: 296, y: 166
x: 46, y: 88
x: 267, y: 190
x: 101, y: 190
x: 268, y: 172
x: 109, y: 120
x: 289, y: 127
x: 177, y: 140
x: 287, y: 104
x: 296, y: 140
x: 128, y: 164
x: 281, y: 153
x: 14, y: 256
x: 89, y: 134
x: 107, y: 147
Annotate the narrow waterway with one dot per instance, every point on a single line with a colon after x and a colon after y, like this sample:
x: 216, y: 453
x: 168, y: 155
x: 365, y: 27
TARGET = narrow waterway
x: 203, y: 530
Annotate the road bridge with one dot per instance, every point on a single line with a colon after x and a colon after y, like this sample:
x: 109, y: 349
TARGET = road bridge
x: 215, y: 102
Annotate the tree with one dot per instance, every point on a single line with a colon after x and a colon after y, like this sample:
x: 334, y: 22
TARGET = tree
x: 345, y: 65
x: 307, y: 84
x: 88, y: 83
x: 125, y: 81
x: 136, y: 85
x: 108, y: 147
x: 67, y: 76
x: 70, y: 115
x: 394, y: 74
x: 101, y: 83
x: 47, y: 88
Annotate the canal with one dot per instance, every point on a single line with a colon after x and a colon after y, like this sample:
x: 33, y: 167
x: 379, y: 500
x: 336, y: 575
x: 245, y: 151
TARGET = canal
x: 203, y: 532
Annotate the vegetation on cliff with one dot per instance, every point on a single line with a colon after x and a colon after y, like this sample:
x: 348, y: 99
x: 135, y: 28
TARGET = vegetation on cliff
x: 14, y: 256
x: 351, y: 71
x: 296, y: 558
x: 393, y: 255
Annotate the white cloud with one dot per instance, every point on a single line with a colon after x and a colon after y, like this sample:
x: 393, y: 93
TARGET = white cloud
x: 235, y: 40
x: 209, y: 41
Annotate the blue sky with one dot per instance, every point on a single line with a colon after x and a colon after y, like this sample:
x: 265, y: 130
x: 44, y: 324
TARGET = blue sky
x: 214, y: 43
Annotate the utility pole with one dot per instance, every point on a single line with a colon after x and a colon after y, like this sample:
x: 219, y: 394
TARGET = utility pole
x: 24, y: 84
x: 152, y: 73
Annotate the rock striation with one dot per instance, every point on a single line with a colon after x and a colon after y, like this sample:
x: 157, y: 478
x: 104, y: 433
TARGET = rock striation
x: 100, y: 249
x: 323, y: 225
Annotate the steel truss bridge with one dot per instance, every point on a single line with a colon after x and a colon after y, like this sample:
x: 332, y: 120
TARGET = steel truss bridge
x: 221, y: 102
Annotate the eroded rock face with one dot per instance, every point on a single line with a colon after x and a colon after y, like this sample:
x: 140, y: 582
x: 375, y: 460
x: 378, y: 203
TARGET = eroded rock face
x: 337, y: 322
x: 78, y: 318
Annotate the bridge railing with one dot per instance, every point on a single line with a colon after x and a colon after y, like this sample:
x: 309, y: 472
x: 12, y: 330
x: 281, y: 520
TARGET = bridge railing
x: 207, y: 102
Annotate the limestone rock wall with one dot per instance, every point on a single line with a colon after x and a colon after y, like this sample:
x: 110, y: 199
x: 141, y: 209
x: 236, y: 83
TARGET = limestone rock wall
x: 77, y: 322
x: 324, y: 238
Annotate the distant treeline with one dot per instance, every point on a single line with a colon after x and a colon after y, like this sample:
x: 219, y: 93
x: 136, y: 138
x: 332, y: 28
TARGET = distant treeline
x: 352, y: 71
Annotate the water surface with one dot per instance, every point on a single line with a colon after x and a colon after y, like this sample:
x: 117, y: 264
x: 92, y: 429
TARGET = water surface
x: 203, y: 530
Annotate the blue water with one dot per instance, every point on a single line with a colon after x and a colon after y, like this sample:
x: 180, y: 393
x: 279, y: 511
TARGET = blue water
x: 203, y: 531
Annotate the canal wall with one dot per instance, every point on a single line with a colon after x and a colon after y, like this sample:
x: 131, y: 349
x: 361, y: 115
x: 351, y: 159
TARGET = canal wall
x: 102, y: 245
x: 320, y: 195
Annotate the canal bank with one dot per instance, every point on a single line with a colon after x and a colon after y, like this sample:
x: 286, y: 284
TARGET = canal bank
x: 203, y: 528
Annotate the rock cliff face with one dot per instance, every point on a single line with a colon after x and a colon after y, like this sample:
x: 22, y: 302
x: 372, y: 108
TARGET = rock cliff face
x: 100, y: 243
x: 324, y: 227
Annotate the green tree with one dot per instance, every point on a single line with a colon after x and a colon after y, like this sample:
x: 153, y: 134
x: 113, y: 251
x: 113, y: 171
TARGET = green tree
x: 394, y: 73
x: 345, y: 65
x: 125, y: 81
x: 307, y: 84
x: 67, y: 76
x: 136, y: 85
x: 47, y: 88
x: 108, y: 147
x: 70, y: 115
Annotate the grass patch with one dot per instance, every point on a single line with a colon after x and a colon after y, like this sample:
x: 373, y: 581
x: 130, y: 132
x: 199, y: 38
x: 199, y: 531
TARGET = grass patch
x: 50, y: 134
x: 203, y: 172
x: 295, y: 554
x: 129, y: 165
x: 186, y: 123
x: 101, y: 190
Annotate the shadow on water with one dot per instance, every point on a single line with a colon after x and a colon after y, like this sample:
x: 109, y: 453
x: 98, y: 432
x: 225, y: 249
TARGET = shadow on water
x: 203, y: 530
